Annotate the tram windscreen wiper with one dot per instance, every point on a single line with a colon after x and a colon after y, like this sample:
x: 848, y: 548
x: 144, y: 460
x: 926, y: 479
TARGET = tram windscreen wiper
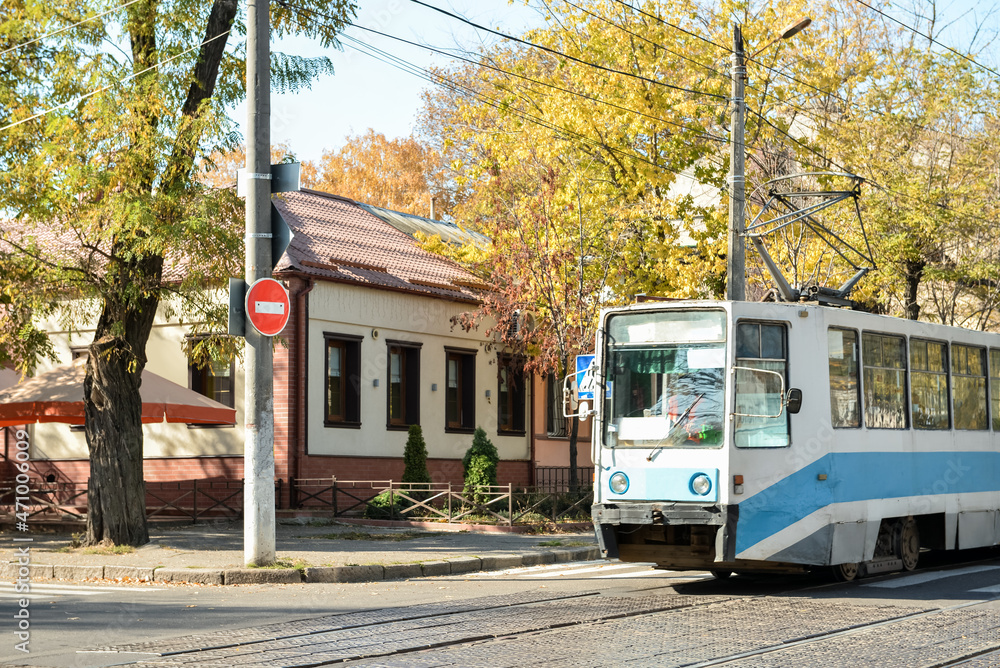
x: 673, y: 428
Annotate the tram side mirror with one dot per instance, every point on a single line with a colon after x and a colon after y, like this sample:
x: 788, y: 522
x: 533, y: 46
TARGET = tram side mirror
x: 794, y: 400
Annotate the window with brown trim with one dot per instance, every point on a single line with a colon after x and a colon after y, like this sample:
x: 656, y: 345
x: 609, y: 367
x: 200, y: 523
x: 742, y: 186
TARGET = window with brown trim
x: 342, y: 380
x: 460, y: 390
x: 213, y: 380
x: 403, y: 388
x: 511, y: 381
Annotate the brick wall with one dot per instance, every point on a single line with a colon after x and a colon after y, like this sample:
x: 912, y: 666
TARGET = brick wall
x: 391, y: 468
x: 180, y: 468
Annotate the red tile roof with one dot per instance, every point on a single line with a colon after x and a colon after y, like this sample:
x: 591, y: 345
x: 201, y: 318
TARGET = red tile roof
x: 338, y: 240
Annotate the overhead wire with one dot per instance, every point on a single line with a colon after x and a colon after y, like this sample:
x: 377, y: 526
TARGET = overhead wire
x: 458, y: 87
x: 917, y: 32
x: 495, y: 68
x: 81, y: 98
x: 561, y: 54
x: 69, y: 27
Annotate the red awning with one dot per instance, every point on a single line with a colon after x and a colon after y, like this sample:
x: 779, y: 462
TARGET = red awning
x: 57, y: 396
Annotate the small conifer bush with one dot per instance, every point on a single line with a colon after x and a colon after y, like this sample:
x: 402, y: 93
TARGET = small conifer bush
x: 480, y: 464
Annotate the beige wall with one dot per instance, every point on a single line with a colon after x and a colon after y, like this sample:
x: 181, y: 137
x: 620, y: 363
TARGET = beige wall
x: 335, y: 308
x: 165, y: 356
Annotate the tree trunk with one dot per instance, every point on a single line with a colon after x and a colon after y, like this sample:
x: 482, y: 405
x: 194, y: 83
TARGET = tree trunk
x: 116, y: 495
x: 913, y: 273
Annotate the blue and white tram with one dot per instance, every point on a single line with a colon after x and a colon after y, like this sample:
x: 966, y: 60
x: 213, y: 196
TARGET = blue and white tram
x: 741, y: 436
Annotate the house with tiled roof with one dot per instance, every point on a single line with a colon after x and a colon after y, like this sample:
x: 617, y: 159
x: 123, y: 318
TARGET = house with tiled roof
x: 370, y: 348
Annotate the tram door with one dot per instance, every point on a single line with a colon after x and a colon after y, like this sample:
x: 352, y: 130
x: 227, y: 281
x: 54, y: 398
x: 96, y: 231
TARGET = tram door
x: 761, y: 380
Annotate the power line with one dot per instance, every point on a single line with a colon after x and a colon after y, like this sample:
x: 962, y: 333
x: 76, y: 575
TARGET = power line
x: 70, y: 27
x: 560, y: 54
x: 646, y: 39
x: 917, y: 32
x: 674, y: 26
x: 523, y: 77
x: 92, y: 93
x: 449, y: 84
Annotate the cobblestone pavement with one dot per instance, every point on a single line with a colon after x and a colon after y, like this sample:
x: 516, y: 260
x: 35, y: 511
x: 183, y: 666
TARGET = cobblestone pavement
x: 533, y: 628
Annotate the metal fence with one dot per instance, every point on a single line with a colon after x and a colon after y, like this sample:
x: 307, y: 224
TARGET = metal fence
x: 442, y: 502
x: 551, y: 501
x: 183, y: 499
x: 557, y: 478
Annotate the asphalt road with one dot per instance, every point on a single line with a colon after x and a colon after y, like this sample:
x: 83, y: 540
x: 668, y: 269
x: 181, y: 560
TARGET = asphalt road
x: 593, y: 613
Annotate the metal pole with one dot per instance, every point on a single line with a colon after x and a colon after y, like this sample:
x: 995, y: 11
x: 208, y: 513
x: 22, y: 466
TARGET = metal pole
x: 258, y: 449
x: 736, y: 257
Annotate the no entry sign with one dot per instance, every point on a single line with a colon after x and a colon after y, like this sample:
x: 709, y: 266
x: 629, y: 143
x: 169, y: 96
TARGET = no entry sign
x: 267, y: 306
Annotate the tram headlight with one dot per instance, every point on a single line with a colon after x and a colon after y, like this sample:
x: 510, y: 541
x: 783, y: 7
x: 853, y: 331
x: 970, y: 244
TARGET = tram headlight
x: 619, y: 483
x: 700, y: 484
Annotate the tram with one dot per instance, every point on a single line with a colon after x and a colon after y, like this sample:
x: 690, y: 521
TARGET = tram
x: 742, y: 436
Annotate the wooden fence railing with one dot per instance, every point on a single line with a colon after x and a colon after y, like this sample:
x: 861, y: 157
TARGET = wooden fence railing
x: 375, y: 499
x: 389, y: 499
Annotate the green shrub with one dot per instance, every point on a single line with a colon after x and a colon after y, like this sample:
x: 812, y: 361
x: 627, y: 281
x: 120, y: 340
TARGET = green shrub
x: 482, y: 472
x: 379, y: 508
x: 480, y: 464
x: 481, y: 445
x: 415, y: 458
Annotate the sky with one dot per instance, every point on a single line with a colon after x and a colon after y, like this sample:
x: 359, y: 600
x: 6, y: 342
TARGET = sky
x: 365, y: 92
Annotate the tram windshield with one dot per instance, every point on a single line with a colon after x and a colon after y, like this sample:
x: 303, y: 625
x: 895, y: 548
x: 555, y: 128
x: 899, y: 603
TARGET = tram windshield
x: 666, y: 373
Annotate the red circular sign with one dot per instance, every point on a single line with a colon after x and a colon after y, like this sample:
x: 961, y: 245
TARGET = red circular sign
x: 267, y: 306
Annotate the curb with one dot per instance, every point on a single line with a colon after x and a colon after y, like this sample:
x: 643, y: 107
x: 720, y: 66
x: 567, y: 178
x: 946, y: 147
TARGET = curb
x: 366, y: 573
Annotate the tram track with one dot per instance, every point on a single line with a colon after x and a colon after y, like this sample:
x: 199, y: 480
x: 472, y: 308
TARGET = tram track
x: 777, y: 628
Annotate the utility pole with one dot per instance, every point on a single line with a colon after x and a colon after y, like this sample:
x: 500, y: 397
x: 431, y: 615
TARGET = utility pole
x: 258, y: 406
x: 736, y: 257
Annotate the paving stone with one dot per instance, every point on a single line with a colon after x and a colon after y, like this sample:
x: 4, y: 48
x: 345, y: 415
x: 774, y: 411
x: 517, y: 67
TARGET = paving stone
x: 235, y: 576
x: 196, y: 575
x: 78, y: 572
x: 433, y: 568
x: 465, y: 565
x: 368, y: 573
x: 403, y: 571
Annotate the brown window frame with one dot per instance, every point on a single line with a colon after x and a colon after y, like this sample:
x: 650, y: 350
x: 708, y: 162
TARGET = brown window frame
x: 409, y: 354
x: 349, y: 410
x: 512, y: 402
x: 465, y: 391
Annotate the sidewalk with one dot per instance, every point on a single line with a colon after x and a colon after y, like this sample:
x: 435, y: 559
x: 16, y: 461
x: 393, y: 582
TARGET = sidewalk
x: 308, y: 551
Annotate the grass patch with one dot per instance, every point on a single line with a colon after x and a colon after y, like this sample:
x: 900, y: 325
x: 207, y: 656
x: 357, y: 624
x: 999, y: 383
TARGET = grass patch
x: 363, y: 535
x: 109, y: 549
x: 297, y: 564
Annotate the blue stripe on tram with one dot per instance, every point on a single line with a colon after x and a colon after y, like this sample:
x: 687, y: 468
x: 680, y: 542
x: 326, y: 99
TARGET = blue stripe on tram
x: 863, y: 476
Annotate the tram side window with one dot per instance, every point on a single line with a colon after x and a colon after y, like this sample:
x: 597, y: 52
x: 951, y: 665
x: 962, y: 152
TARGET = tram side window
x: 760, y: 346
x: 968, y: 377
x: 842, y: 346
x: 928, y: 384
x: 995, y: 387
x: 884, y: 360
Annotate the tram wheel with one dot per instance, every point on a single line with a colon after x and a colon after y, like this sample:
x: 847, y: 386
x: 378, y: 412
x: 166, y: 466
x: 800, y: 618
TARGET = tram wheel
x: 720, y: 574
x: 908, y: 544
x: 845, y: 572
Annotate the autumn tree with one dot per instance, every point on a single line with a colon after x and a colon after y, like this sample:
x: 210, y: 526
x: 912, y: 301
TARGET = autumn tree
x: 390, y: 173
x: 101, y: 153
